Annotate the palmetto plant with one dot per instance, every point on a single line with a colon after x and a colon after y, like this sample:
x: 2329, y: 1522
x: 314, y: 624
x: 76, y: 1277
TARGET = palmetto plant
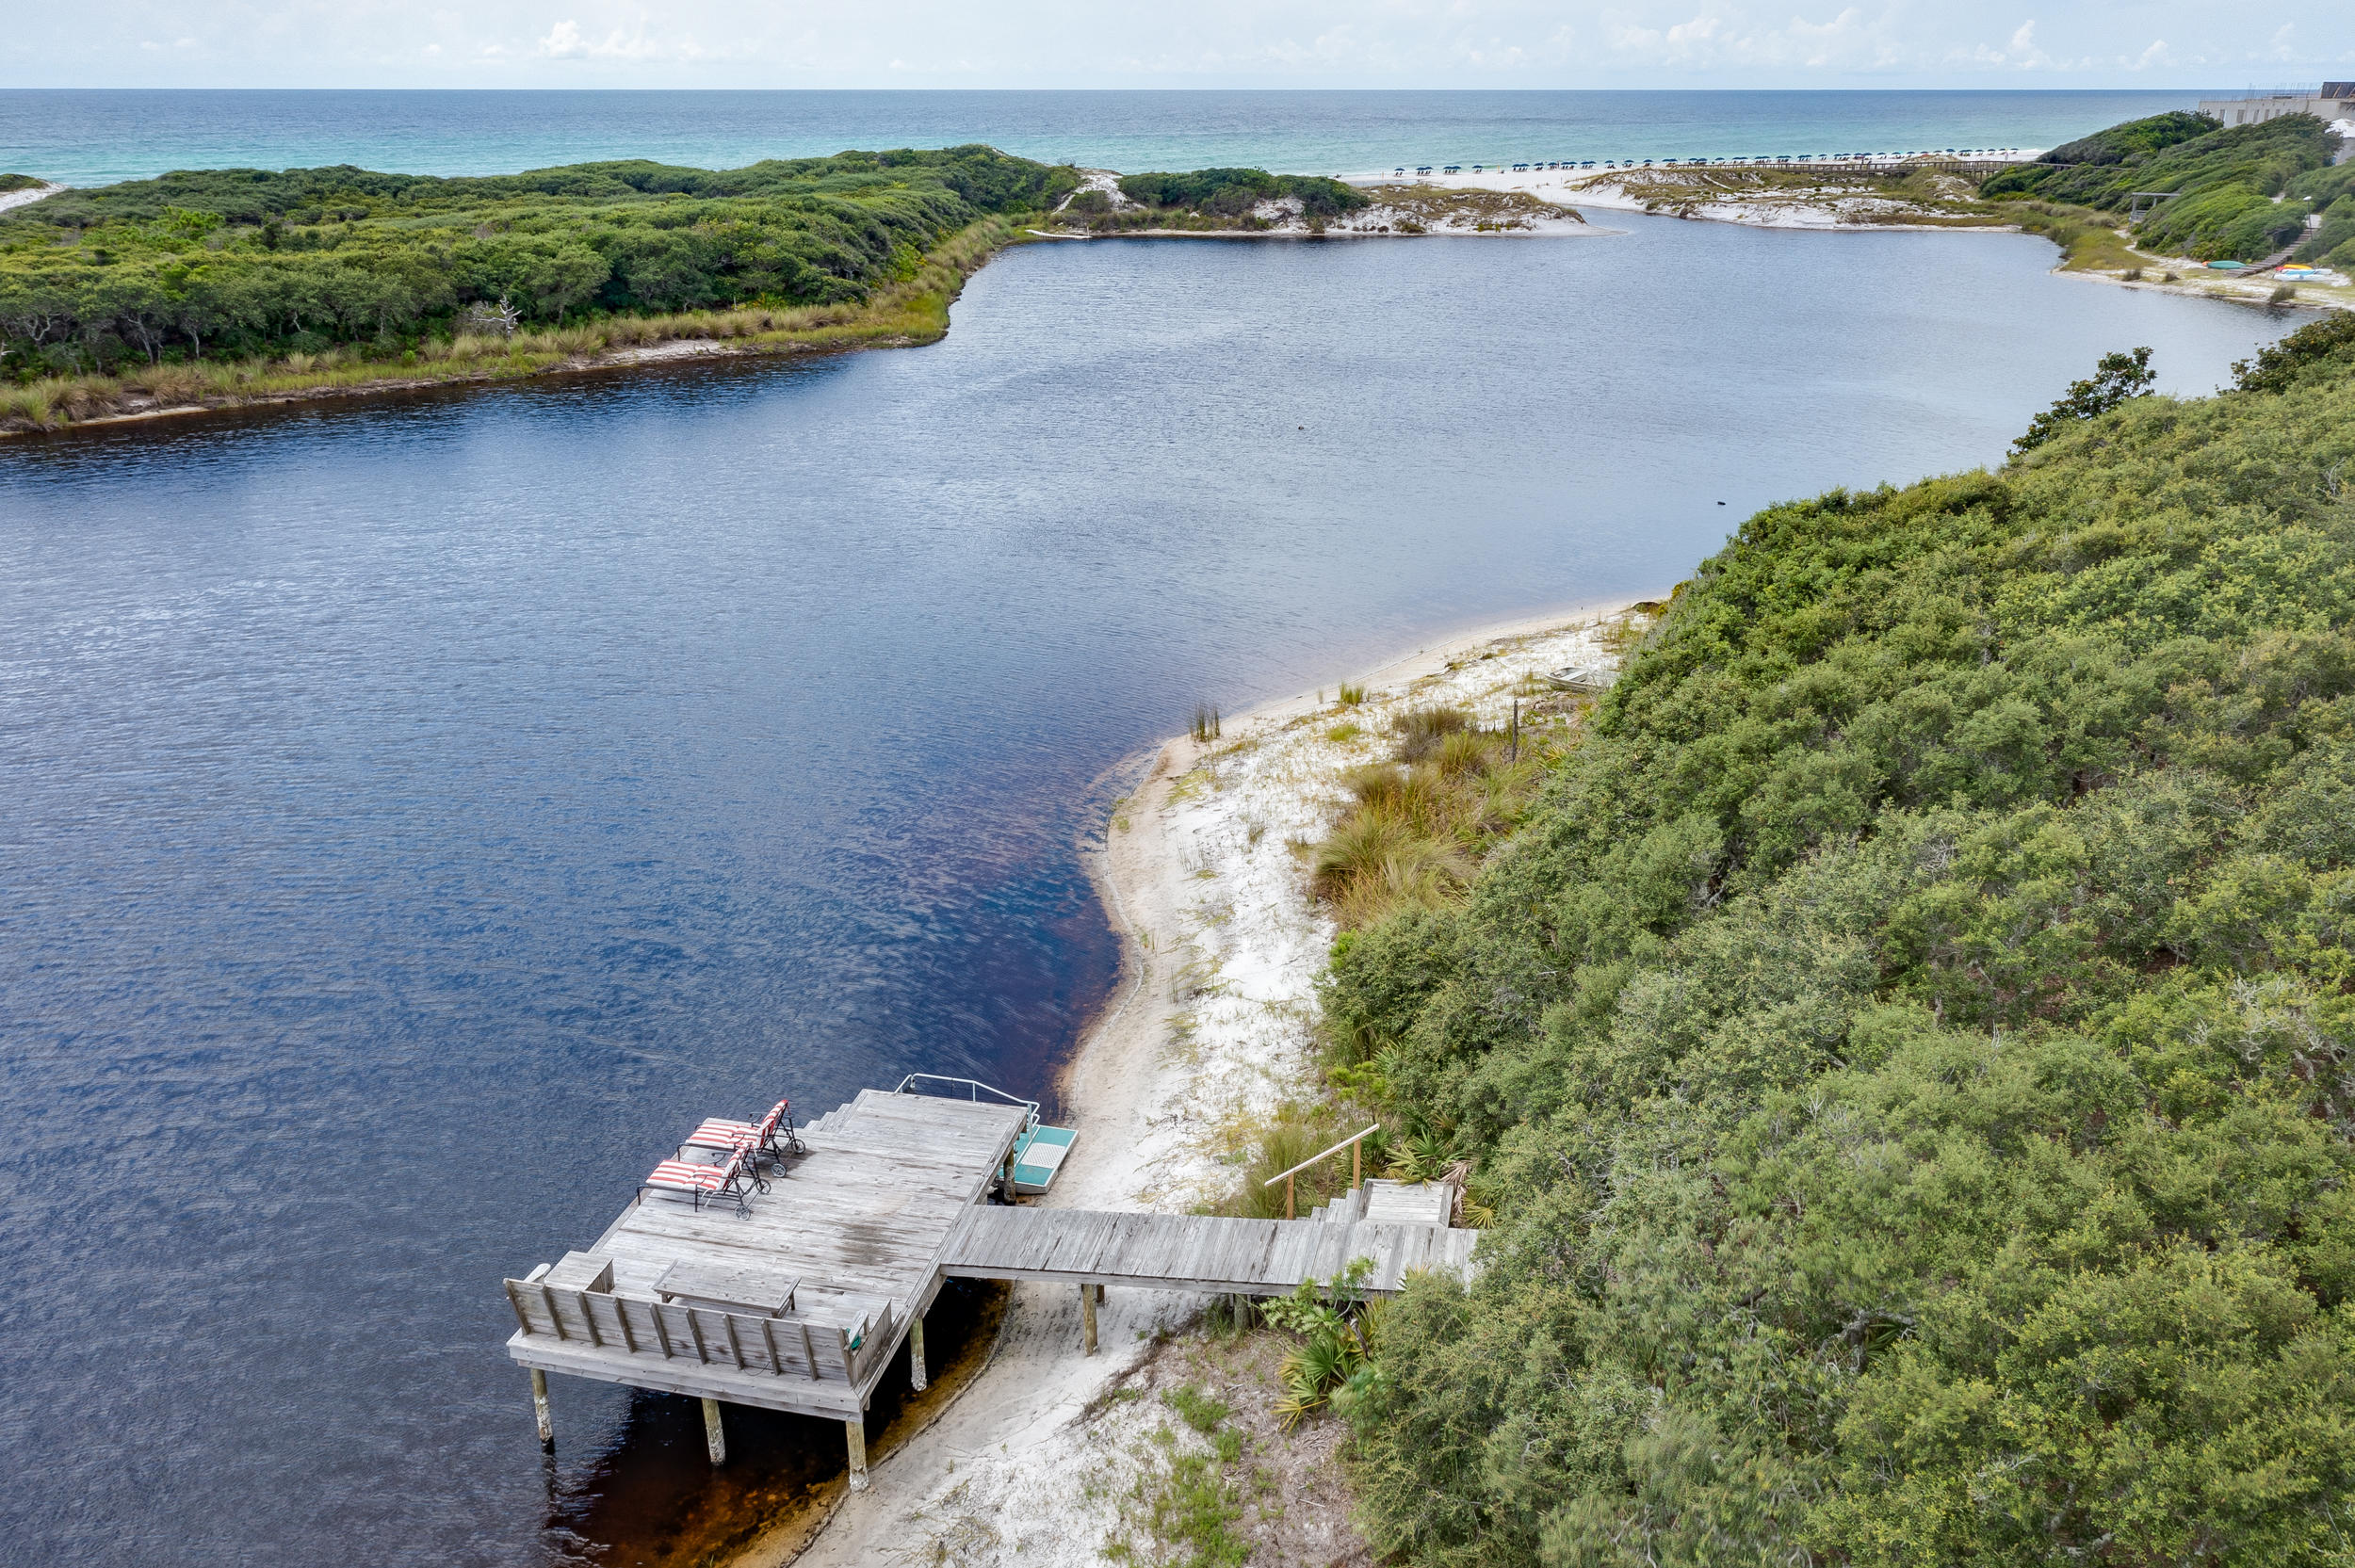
x: 1336, y: 1328
x: 1420, y: 1156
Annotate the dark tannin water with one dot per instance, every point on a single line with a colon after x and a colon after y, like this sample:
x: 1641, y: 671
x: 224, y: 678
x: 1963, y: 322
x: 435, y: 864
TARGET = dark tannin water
x: 419, y: 813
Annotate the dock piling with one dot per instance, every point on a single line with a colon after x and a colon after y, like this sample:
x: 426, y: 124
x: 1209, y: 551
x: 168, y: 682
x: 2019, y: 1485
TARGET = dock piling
x: 802, y: 1305
x: 855, y: 1429
x: 715, y: 1438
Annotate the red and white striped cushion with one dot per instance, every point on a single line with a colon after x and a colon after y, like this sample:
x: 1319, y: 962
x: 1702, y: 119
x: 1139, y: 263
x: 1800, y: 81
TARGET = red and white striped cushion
x: 719, y: 1133
x: 776, y: 1114
x: 685, y: 1178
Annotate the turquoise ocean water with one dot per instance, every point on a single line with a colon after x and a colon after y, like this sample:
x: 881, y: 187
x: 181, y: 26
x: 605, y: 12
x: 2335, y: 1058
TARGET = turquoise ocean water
x: 96, y: 136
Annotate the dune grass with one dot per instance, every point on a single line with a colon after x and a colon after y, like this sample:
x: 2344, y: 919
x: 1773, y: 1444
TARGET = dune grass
x: 1295, y: 1131
x: 1419, y: 822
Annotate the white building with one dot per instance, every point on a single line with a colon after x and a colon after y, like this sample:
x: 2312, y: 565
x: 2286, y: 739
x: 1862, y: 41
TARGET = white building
x: 2330, y: 102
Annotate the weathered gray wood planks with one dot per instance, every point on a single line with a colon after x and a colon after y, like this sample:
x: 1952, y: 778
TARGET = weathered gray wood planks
x: 885, y: 1206
x: 860, y: 1220
x: 1190, y: 1251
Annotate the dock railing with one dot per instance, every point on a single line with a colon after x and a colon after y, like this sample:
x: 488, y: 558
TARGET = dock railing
x: 942, y: 1087
x: 636, y: 1324
x: 1356, y: 1166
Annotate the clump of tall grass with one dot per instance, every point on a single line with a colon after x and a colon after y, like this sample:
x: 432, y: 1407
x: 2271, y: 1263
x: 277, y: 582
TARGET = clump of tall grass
x: 1371, y: 865
x: 1421, y: 731
x: 1351, y: 696
x: 1294, y: 1133
x: 26, y: 405
x: 1206, y: 726
x: 1416, y: 825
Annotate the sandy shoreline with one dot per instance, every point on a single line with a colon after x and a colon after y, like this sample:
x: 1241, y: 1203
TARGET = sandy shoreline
x: 26, y: 197
x: 1838, y: 212
x: 1209, y: 1027
x: 1607, y: 190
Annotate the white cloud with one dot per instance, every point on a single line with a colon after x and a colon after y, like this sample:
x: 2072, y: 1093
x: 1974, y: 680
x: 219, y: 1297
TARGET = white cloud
x: 1568, y: 43
x: 565, y: 42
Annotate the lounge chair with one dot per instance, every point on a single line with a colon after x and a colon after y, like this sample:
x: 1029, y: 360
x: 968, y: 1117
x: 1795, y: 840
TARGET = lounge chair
x: 770, y: 1139
x: 733, y: 1178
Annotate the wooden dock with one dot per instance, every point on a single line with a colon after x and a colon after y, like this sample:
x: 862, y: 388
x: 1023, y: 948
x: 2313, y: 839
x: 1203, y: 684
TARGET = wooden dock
x: 1193, y: 1252
x: 802, y: 1304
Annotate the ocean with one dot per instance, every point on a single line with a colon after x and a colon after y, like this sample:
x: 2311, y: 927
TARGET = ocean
x: 94, y: 137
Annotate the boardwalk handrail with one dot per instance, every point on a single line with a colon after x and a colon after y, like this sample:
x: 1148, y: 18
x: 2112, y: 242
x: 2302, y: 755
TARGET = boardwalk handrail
x: 974, y: 1088
x: 1356, y: 1166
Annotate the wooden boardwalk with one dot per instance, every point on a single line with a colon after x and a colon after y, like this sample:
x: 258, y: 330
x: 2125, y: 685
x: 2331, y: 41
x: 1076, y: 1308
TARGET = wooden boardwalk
x: 1193, y: 1252
x: 803, y: 1303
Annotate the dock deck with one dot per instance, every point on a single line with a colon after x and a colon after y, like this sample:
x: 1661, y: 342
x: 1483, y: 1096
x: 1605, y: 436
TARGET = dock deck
x: 860, y: 1221
x: 802, y: 1303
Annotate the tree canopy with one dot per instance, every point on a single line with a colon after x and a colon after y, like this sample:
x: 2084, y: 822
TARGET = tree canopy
x: 1230, y: 192
x: 1911, y: 1046
x: 242, y: 259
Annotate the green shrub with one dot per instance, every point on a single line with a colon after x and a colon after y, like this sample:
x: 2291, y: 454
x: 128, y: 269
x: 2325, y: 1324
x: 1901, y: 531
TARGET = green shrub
x: 1908, y: 1043
x: 1230, y: 192
x: 2321, y: 347
x: 231, y: 263
x: 2115, y: 378
x: 2224, y: 180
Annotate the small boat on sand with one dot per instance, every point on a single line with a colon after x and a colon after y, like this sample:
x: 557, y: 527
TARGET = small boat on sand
x: 1589, y: 678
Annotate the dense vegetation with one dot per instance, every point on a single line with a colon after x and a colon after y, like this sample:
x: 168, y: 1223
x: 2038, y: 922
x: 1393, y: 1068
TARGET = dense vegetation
x: 228, y: 262
x: 1232, y: 192
x: 2134, y: 139
x: 1907, y: 1045
x: 2226, y: 183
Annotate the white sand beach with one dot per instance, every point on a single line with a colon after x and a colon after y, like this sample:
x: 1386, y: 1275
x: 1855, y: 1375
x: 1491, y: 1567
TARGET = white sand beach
x: 27, y: 195
x: 1210, y: 1029
x: 1418, y: 207
x: 1830, y: 206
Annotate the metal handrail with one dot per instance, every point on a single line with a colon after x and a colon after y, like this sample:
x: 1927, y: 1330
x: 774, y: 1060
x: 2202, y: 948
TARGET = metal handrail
x: 974, y: 1088
x: 1355, y: 1166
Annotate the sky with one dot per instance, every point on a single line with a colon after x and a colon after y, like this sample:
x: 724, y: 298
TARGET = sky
x: 2216, y: 44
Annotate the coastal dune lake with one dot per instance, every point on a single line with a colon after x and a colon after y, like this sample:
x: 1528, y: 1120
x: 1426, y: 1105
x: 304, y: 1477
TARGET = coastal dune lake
x: 420, y: 811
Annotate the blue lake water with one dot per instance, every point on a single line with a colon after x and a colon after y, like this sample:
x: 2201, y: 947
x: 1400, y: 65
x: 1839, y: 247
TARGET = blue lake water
x: 91, y: 136
x: 421, y: 810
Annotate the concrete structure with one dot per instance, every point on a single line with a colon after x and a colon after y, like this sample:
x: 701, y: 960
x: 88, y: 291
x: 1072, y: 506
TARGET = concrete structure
x: 2329, y: 102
